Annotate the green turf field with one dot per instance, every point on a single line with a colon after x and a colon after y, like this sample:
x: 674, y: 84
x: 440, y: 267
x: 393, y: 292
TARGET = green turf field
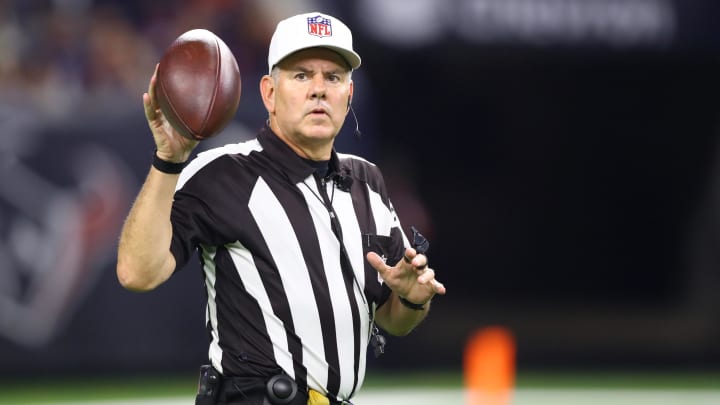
x: 578, y: 388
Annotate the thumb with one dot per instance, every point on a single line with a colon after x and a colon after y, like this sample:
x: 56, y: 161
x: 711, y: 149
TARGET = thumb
x: 376, y: 262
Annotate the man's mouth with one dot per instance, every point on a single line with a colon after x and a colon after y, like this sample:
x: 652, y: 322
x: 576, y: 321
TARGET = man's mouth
x: 318, y: 110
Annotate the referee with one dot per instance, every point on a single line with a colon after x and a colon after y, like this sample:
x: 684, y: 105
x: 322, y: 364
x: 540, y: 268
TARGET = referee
x: 301, y: 249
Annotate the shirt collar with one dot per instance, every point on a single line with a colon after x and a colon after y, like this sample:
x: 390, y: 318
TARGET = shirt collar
x: 288, y: 161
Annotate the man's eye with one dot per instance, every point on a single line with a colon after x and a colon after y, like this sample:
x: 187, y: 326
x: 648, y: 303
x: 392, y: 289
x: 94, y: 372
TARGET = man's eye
x: 301, y: 76
x: 334, y: 78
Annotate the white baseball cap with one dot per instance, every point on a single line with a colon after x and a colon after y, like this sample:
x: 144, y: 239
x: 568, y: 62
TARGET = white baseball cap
x: 311, y: 30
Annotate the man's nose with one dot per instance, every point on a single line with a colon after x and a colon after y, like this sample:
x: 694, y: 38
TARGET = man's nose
x: 319, y: 88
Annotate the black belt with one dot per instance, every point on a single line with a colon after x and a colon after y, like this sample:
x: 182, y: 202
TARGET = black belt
x: 215, y: 389
x: 278, y: 390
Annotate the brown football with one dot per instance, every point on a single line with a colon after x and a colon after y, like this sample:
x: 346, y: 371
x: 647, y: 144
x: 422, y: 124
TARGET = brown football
x: 198, y: 84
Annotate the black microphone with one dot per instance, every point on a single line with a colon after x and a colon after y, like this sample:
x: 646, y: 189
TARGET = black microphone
x: 343, y: 181
x: 358, y: 134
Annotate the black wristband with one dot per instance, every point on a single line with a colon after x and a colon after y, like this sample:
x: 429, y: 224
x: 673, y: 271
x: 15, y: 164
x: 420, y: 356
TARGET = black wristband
x: 165, y: 166
x: 411, y: 305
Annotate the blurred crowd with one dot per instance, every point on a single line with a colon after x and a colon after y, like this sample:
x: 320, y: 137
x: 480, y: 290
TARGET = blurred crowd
x: 82, y: 65
x: 61, y: 56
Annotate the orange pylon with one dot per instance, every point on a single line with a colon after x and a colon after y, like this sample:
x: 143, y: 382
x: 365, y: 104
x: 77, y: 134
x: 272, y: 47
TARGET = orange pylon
x: 489, y: 367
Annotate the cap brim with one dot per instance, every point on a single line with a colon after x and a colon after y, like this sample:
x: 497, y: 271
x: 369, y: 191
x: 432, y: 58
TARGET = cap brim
x: 352, y: 58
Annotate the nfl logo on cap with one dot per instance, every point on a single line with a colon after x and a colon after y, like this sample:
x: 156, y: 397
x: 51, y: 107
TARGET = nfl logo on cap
x: 311, y: 30
x: 319, y: 26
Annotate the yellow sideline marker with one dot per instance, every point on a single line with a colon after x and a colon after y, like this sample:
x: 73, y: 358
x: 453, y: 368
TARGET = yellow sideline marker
x: 489, y: 367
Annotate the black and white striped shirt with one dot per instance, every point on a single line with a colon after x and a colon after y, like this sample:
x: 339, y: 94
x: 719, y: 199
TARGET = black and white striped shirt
x: 283, y: 255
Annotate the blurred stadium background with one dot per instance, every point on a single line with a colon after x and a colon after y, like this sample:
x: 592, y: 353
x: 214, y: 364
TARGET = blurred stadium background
x: 561, y: 155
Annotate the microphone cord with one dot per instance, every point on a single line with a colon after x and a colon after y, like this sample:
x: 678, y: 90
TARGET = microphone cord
x: 358, y: 134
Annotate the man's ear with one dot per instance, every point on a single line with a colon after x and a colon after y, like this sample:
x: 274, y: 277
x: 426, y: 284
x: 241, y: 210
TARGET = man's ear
x: 267, y: 91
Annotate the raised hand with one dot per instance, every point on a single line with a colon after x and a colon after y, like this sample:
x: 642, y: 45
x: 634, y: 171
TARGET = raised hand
x: 410, y: 278
x: 171, y: 146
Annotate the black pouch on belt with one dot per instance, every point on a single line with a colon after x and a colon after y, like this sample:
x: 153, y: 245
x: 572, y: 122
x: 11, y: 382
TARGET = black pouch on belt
x: 208, y: 386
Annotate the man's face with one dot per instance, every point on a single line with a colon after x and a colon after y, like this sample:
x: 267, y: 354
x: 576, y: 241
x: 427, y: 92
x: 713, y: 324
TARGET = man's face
x: 311, y: 97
